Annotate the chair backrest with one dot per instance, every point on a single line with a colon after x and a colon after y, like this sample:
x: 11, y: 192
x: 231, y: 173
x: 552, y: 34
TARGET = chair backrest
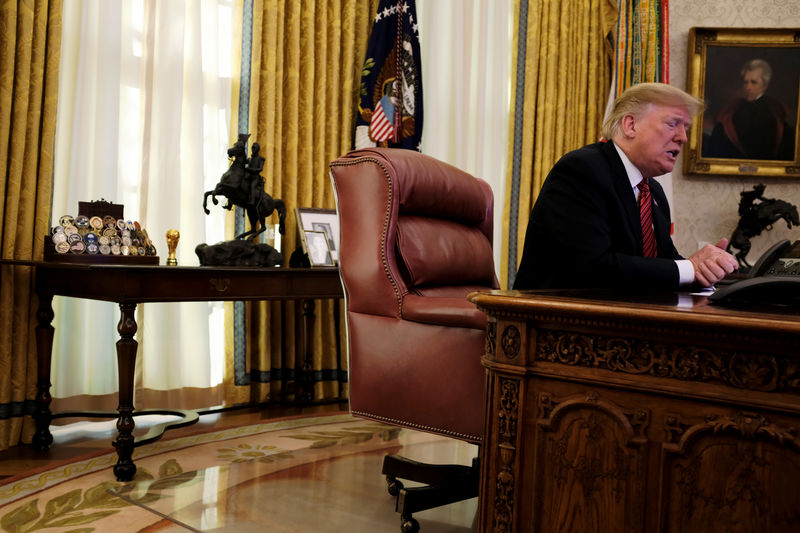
x: 415, y: 240
x: 428, y: 223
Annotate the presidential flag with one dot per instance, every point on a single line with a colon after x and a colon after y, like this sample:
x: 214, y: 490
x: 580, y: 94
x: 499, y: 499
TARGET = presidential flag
x: 390, y: 106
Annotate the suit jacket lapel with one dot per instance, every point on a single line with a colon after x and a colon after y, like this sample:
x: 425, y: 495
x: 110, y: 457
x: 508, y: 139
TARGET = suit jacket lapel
x: 622, y: 185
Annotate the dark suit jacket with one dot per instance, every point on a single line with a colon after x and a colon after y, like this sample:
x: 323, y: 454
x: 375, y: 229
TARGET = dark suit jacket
x: 752, y: 130
x: 584, y: 230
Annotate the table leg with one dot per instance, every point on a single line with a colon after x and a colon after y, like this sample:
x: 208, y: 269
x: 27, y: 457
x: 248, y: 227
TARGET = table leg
x: 126, y: 360
x: 305, y: 378
x: 42, y: 438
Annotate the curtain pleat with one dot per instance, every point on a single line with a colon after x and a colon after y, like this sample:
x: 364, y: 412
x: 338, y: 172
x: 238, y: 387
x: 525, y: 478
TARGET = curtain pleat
x: 30, y: 36
x: 561, y: 74
x: 642, y: 44
x: 306, y: 60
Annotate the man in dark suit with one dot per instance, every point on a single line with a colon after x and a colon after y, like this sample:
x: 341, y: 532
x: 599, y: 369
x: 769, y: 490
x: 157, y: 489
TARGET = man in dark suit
x: 585, y: 229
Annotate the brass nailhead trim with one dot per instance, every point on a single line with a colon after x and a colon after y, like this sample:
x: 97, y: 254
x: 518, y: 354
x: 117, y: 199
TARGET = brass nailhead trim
x: 394, y: 421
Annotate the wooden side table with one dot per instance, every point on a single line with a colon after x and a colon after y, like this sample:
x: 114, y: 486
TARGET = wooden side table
x: 130, y: 285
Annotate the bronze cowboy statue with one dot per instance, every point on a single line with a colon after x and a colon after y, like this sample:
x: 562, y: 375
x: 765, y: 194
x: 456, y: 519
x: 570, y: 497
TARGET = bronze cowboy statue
x: 243, y: 186
x: 757, y: 214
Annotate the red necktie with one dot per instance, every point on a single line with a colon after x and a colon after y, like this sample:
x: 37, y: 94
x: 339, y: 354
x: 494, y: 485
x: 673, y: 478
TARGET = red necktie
x: 646, y: 215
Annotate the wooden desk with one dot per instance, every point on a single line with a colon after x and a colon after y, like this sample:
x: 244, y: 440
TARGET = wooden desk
x: 135, y: 284
x: 614, y: 413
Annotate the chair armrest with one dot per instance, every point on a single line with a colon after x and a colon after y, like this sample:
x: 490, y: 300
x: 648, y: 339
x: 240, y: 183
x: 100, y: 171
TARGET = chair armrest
x: 453, y: 312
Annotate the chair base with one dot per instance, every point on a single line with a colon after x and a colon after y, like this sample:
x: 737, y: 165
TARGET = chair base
x: 442, y: 485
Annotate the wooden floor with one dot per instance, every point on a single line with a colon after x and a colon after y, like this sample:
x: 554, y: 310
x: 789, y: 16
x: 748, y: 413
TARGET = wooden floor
x: 323, y: 492
x: 97, y: 437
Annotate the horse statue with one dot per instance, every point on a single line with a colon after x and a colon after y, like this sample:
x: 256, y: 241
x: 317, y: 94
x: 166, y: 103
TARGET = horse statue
x: 243, y: 186
x: 756, y: 217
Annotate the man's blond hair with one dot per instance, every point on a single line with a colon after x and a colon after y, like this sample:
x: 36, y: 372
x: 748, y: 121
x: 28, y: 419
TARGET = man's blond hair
x: 637, y: 98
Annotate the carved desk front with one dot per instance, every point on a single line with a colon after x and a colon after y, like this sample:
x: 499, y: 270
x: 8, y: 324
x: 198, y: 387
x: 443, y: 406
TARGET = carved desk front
x: 660, y: 413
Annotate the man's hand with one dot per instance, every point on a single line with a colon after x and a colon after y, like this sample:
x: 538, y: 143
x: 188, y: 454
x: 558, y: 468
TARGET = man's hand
x: 712, y: 263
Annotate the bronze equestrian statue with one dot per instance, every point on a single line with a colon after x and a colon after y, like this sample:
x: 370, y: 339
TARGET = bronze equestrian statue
x: 243, y: 186
x: 756, y: 217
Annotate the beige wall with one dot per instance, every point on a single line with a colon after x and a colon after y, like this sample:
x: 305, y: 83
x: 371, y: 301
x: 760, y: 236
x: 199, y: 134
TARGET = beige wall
x: 705, y: 208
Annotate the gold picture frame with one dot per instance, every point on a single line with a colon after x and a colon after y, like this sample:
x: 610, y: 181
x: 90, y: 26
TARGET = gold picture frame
x: 718, y: 61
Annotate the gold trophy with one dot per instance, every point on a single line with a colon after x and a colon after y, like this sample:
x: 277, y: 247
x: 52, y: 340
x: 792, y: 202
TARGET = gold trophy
x: 172, y: 242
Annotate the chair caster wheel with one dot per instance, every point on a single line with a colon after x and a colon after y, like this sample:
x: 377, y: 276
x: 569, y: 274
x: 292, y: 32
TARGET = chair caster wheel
x: 409, y: 525
x: 393, y: 485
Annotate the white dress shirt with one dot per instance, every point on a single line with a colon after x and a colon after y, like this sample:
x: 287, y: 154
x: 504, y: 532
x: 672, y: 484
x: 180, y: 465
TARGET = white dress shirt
x: 685, y: 267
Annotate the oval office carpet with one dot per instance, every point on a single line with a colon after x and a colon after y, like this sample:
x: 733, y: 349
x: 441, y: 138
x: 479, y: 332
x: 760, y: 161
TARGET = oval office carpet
x: 307, y: 474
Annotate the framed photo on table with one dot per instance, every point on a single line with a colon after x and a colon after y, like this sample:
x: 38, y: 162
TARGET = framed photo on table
x: 324, y: 221
x: 749, y: 79
x: 315, y: 244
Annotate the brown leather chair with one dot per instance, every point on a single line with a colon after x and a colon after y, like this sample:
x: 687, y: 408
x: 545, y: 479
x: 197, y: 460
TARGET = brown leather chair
x: 415, y: 240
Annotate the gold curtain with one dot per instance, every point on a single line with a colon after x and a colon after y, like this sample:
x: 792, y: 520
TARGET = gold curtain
x: 561, y: 75
x: 30, y: 37
x: 305, y: 69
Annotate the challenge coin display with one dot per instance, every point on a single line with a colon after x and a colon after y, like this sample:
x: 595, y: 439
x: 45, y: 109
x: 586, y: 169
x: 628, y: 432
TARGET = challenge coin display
x: 99, y: 233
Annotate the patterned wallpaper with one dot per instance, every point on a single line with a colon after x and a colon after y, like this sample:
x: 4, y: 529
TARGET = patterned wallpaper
x: 705, y: 208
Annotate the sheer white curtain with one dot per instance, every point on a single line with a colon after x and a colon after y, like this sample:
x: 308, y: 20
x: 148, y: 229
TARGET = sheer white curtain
x: 143, y: 120
x: 466, y: 89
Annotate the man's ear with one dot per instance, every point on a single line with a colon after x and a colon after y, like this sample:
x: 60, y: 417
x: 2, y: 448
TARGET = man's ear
x: 628, y: 126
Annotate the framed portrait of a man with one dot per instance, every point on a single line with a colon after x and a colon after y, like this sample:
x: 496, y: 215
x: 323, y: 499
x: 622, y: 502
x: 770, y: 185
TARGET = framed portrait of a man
x: 749, y: 80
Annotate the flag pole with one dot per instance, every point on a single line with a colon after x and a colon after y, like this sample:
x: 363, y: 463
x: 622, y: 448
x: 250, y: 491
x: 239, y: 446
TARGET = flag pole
x: 398, y: 90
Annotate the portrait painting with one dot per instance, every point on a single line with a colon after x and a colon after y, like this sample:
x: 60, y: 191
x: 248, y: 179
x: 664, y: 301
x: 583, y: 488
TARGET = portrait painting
x: 749, y: 80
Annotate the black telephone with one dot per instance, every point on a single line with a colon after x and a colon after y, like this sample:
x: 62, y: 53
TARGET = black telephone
x: 773, y: 280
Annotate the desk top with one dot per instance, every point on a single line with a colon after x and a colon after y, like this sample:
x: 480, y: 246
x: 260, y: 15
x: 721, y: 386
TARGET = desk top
x: 667, y: 308
x: 155, y: 283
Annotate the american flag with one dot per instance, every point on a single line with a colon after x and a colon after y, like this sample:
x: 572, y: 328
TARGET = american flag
x: 381, y: 127
x: 391, y: 70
